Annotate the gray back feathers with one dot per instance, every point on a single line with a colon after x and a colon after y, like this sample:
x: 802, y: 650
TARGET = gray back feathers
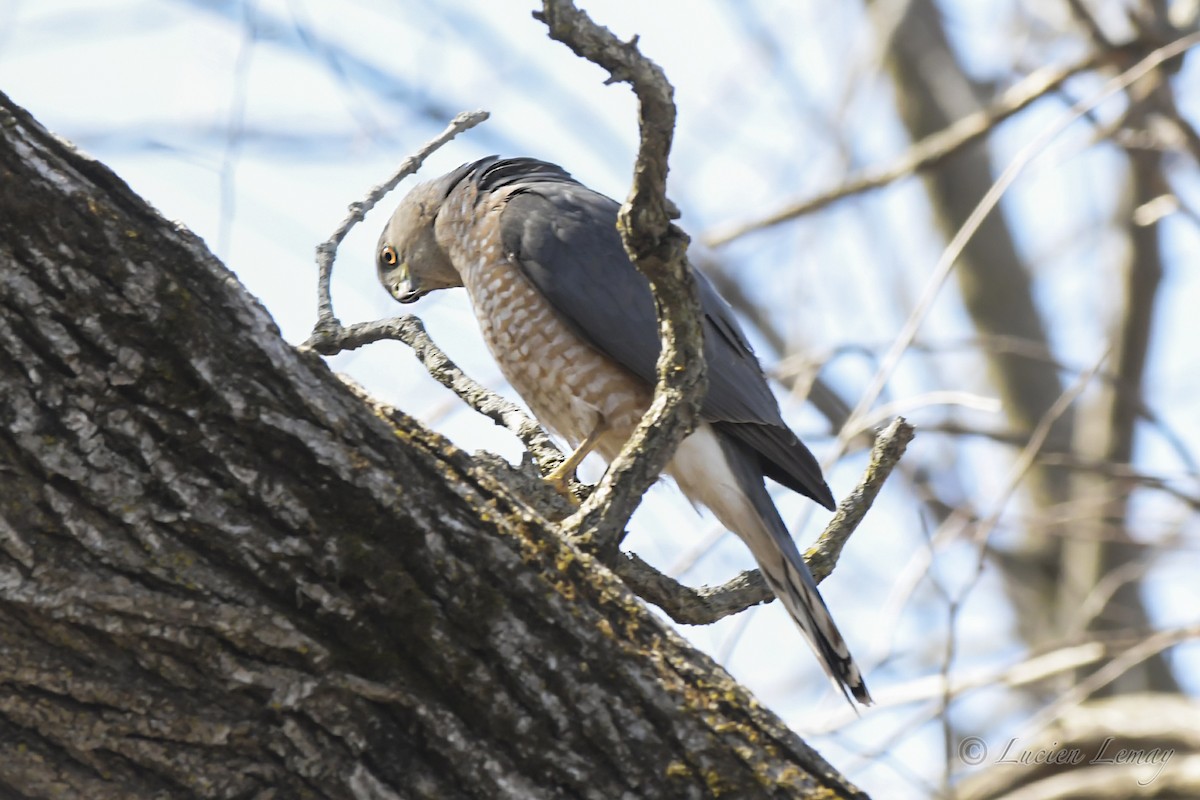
x: 564, y: 238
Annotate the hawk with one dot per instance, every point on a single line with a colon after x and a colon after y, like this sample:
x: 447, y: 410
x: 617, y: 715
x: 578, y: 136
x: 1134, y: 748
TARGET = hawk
x: 571, y: 323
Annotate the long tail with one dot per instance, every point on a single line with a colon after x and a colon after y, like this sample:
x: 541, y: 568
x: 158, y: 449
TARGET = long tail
x: 795, y: 588
x: 740, y: 500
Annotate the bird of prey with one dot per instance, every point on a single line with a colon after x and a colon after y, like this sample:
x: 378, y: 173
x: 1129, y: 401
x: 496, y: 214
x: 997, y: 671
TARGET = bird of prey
x: 571, y: 322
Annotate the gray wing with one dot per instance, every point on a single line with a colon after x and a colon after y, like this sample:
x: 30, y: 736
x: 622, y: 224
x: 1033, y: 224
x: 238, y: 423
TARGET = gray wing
x: 564, y: 238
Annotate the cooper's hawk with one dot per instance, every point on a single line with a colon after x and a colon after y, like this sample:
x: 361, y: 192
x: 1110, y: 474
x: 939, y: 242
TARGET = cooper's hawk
x: 571, y: 322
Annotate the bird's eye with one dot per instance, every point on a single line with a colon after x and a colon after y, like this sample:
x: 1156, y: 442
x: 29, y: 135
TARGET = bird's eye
x: 388, y: 256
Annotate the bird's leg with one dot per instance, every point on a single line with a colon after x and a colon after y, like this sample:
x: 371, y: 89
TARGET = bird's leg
x: 560, y: 475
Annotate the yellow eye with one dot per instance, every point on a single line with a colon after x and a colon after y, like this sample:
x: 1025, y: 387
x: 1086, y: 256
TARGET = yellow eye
x: 388, y: 256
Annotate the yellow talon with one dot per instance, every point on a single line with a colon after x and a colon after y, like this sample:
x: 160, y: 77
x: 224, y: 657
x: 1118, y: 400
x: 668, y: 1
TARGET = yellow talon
x: 560, y: 476
x: 560, y: 479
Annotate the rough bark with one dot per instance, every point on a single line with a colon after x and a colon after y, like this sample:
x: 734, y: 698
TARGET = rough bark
x: 223, y: 574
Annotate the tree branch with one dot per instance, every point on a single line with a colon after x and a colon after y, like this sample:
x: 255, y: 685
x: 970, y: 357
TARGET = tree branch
x: 922, y: 156
x: 325, y: 332
x: 987, y: 203
x: 708, y: 604
x: 410, y: 330
x: 658, y: 248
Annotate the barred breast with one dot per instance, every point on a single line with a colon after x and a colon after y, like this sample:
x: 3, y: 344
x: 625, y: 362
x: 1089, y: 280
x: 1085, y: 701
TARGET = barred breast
x: 569, y: 385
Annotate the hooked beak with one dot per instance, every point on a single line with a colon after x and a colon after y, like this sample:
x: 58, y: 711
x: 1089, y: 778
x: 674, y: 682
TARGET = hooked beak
x: 402, y: 286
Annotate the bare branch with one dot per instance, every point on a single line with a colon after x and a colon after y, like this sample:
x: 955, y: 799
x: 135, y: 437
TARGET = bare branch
x: 410, y: 330
x: 325, y: 332
x: 989, y: 201
x: 1029, y: 454
x: 1088, y: 20
x: 708, y: 604
x: 658, y: 248
x: 1124, y: 472
x: 890, y: 445
x: 1030, y: 670
x: 1149, y: 646
x: 924, y: 155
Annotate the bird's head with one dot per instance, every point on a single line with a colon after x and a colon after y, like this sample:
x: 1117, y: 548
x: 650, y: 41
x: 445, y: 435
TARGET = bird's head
x: 409, y: 259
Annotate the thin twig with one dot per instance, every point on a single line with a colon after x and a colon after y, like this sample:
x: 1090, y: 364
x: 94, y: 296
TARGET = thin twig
x: 989, y: 201
x: 1085, y: 17
x: 411, y: 331
x: 932, y: 688
x: 708, y: 604
x: 1150, y: 646
x: 324, y: 335
x: 958, y: 522
x: 1028, y: 456
x: 1123, y: 471
x: 924, y: 155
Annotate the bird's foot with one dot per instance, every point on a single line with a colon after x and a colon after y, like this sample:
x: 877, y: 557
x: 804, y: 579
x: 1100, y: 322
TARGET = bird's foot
x: 560, y: 479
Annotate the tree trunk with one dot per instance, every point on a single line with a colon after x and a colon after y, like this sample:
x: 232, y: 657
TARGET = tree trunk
x: 1103, y: 564
x: 1048, y: 575
x: 223, y: 574
x: 997, y: 293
